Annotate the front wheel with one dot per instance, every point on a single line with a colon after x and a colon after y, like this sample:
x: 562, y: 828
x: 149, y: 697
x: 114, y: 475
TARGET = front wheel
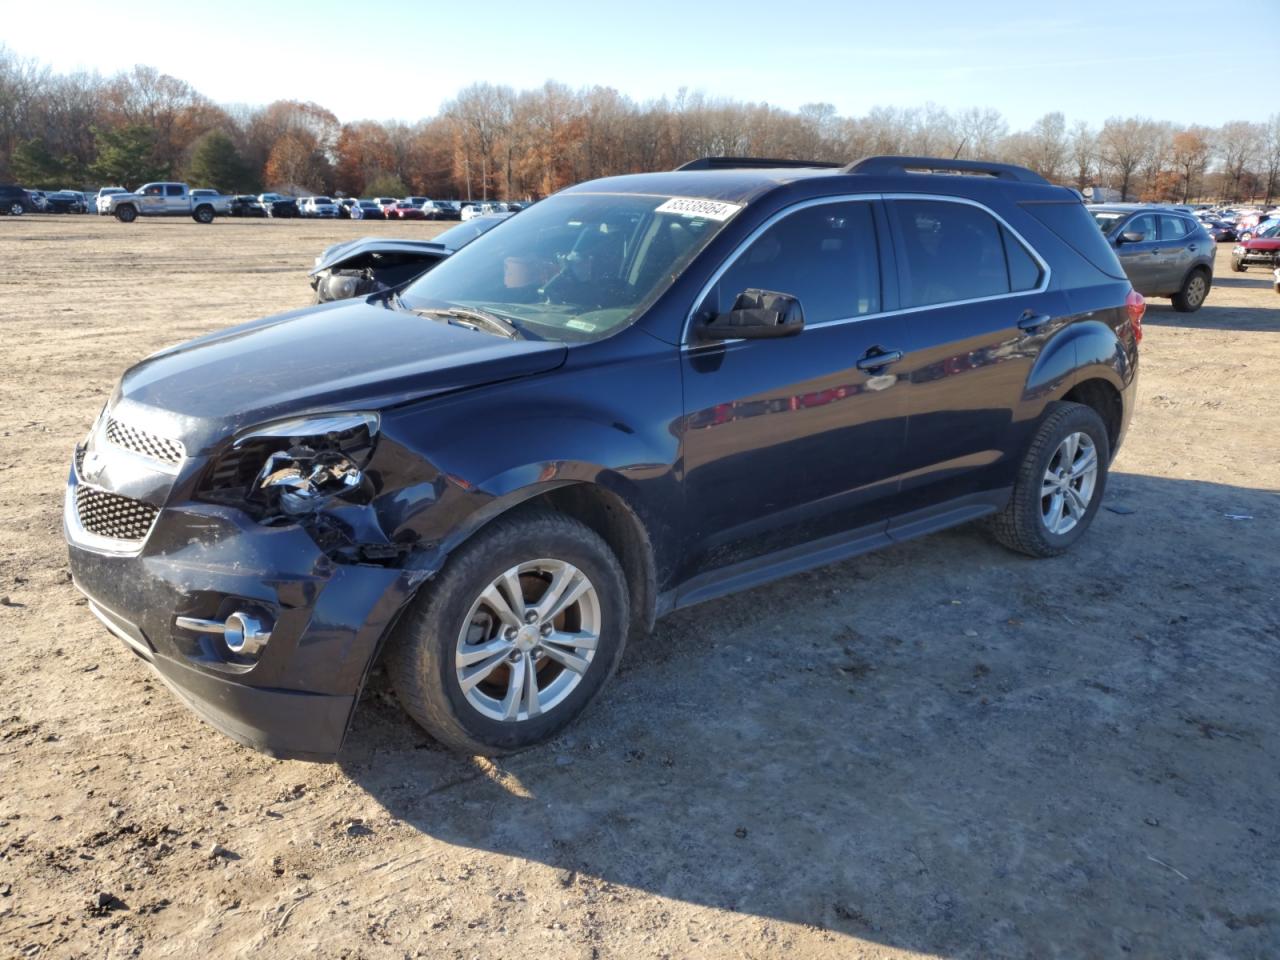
x: 1237, y: 266
x: 126, y: 214
x: 514, y: 637
x: 1194, y: 289
x: 1059, y: 485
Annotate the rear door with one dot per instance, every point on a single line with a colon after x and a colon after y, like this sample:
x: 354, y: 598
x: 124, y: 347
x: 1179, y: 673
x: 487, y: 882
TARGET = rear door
x: 175, y: 201
x: 979, y: 305
x: 1177, y: 250
x: 793, y: 439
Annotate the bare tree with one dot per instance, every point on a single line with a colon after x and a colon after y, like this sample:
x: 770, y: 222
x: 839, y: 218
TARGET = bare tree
x: 1271, y: 155
x: 1122, y: 147
x: 1084, y: 153
x: 1238, y: 143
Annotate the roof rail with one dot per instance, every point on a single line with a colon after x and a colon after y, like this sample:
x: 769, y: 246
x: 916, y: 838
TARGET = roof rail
x: 738, y: 163
x: 890, y: 165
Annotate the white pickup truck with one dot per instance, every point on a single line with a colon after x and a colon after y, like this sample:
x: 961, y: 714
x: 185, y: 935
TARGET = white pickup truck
x: 165, y: 200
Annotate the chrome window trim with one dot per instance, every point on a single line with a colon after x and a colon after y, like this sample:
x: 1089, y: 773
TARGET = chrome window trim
x: 1046, y: 272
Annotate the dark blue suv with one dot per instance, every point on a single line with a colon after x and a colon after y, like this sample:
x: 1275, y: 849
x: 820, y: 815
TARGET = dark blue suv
x: 638, y: 394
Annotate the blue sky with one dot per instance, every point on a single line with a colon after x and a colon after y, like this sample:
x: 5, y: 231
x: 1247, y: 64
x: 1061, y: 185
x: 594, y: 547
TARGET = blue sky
x: 399, y: 60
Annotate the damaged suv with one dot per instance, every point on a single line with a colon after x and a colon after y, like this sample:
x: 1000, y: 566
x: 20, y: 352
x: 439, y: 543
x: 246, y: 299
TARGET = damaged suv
x: 639, y: 394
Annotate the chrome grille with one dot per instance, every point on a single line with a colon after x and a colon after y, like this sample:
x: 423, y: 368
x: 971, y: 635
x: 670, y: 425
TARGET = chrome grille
x: 147, y: 444
x: 111, y: 515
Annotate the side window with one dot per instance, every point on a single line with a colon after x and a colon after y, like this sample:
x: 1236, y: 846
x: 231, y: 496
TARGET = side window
x: 153, y: 191
x: 824, y: 255
x: 1024, y: 272
x: 173, y: 190
x: 955, y: 251
x: 1145, y: 225
x: 1173, y: 228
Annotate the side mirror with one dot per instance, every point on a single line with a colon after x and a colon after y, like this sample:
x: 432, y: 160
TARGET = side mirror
x: 1132, y: 236
x: 756, y: 315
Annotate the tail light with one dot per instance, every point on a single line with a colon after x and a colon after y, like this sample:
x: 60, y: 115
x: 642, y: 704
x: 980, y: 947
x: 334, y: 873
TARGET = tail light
x: 1136, y: 307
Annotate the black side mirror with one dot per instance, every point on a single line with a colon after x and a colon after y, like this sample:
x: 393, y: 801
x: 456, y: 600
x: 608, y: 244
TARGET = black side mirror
x: 1132, y: 236
x: 756, y: 315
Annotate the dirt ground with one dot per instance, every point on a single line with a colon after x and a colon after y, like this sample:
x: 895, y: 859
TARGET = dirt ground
x: 941, y: 750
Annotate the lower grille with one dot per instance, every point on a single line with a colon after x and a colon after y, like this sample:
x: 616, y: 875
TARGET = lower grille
x: 111, y: 515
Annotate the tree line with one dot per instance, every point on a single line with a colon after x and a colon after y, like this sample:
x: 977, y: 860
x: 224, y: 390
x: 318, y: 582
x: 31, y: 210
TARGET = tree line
x: 84, y: 129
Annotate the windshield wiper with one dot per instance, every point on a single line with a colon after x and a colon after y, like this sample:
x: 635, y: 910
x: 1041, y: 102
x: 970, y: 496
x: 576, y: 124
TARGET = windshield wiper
x: 472, y: 317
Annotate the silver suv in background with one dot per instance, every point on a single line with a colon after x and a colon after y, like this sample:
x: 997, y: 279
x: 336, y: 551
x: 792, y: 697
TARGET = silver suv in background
x: 1165, y: 251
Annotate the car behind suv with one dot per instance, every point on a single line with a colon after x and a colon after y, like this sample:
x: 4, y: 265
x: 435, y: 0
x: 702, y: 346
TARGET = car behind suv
x: 14, y: 201
x: 641, y: 393
x: 1165, y: 251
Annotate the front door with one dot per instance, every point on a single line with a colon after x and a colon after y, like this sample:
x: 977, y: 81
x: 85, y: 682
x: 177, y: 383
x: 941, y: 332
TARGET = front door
x: 1141, y: 260
x: 793, y: 439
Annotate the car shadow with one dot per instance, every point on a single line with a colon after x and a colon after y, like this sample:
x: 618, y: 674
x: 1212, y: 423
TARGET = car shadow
x: 942, y: 747
x: 1214, y: 317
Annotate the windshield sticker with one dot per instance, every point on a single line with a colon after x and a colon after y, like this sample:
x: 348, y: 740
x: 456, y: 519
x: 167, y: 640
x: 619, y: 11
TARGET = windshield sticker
x: 705, y: 209
x: 583, y: 325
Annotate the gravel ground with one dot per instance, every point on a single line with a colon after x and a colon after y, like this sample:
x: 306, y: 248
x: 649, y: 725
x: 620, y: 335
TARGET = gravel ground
x: 939, y: 750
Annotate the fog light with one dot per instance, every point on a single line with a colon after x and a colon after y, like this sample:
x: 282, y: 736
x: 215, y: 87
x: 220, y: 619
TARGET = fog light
x: 245, y: 633
x: 242, y: 632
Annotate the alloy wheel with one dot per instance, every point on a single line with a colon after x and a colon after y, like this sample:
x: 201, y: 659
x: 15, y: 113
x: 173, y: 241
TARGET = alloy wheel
x: 1069, y: 482
x: 528, y: 640
x: 1196, y: 290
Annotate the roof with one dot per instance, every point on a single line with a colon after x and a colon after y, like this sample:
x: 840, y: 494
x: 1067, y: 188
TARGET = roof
x: 1132, y: 207
x: 742, y: 180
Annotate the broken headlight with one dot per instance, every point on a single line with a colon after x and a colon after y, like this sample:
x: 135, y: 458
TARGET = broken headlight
x: 296, y: 466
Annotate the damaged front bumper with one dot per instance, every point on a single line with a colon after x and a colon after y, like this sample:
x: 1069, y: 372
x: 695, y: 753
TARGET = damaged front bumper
x: 197, y: 565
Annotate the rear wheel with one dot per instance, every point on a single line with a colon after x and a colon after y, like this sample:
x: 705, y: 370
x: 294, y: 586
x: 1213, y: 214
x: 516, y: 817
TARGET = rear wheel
x: 515, y: 637
x: 1194, y: 289
x: 16, y: 209
x: 1059, y: 485
x: 203, y: 215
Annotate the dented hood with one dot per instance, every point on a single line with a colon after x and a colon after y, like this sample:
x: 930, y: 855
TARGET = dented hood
x: 341, y: 254
x: 349, y: 354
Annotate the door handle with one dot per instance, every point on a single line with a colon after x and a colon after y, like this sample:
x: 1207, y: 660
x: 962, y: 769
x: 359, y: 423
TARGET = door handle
x: 1033, y: 321
x: 876, y: 358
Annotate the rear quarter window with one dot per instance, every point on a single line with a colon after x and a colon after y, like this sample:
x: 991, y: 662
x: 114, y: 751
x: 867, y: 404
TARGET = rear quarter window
x: 1072, y: 223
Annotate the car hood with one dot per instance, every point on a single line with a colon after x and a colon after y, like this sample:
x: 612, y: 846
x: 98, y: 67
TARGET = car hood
x: 337, y: 255
x: 1264, y: 243
x: 351, y: 354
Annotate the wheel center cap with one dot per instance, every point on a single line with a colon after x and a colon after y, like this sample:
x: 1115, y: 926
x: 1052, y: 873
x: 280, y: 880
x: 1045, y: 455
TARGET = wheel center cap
x: 526, y: 638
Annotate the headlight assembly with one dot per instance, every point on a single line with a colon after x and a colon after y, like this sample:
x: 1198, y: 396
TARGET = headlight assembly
x: 295, y: 466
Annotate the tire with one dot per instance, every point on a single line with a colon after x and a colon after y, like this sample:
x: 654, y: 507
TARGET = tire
x: 1022, y: 525
x: 202, y: 215
x: 1237, y: 266
x: 1195, y: 288
x: 126, y: 214
x: 17, y: 209
x: 451, y: 614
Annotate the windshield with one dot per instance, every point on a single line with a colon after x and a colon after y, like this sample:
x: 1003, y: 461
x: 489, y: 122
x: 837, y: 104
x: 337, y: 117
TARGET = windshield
x: 1270, y: 230
x: 575, y: 266
x: 1107, y: 219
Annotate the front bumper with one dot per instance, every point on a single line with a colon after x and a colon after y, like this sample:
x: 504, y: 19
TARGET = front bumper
x: 203, y: 561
